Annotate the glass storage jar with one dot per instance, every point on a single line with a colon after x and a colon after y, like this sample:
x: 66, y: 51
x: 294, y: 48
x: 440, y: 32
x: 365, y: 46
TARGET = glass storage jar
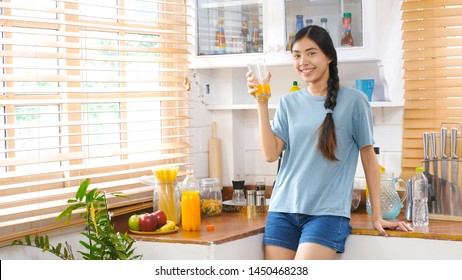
x: 211, y: 198
x: 167, y: 197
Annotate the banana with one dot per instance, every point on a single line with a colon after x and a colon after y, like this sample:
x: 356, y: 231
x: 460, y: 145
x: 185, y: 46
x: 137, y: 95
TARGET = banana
x: 170, y: 225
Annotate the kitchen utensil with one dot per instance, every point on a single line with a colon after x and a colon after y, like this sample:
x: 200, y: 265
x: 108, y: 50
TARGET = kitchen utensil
x: 215, y: 168
x: 390, y: 201
x: 426, y: 137
x: 454, y: 157
x: 444, y: 157
x: 435, y: 178
x: 431, y: 191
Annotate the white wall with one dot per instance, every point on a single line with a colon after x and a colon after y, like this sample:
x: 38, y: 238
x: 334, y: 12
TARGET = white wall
x: 238, y: 129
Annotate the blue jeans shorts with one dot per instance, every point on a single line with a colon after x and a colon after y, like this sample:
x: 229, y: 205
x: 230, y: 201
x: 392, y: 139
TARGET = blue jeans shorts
x: 289, y: 230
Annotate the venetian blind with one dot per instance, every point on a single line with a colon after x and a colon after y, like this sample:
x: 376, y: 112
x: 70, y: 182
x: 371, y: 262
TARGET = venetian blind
x: 89, y: 89
x: 432, y: 53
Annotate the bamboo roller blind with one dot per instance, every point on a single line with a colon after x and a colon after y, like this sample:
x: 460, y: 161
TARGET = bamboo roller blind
x: 89, y: 89
x: 432, y: 54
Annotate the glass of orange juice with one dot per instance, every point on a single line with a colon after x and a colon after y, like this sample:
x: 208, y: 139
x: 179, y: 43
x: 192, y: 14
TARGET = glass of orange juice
x: 260, y: 71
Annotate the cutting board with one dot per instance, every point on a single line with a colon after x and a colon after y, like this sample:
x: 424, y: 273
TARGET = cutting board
x: 215, y: 166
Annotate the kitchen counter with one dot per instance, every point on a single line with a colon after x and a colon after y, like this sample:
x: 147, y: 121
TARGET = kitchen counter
x: 237, y: 236
x: 231, y: 226
x: 227, y: 227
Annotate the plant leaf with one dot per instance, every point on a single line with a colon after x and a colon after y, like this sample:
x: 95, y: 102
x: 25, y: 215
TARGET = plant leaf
x: 82, y: 189
x: 28, y: 241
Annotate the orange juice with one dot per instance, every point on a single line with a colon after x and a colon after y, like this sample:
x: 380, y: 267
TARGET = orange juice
x: 190, y: 210
x: 263, y: 92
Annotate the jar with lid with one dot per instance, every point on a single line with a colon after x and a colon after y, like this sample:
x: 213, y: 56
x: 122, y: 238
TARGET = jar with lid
x: 238, y: 193
x: 211, y: 198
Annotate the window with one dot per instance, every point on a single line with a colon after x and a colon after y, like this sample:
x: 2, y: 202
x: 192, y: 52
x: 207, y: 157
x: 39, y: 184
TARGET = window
x: 432, y: 52
x: 88, y: 89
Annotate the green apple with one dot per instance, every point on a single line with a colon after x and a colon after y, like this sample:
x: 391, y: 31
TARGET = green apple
x: 133, y: 222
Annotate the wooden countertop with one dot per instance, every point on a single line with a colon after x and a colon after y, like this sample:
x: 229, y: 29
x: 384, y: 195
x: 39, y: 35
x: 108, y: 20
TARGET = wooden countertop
x: 437, y: 229
x: 232, y: 226
x: 228, y: 227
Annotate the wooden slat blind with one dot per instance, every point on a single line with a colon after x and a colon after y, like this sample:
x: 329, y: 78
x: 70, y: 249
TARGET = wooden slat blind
x: 88, y: 89
x: 432, y: 54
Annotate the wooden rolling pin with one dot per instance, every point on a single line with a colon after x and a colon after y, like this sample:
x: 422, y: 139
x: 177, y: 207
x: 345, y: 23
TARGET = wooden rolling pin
x: 215, y: 167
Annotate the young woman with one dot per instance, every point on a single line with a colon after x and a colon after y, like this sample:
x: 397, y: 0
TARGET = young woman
x: 322, y: 129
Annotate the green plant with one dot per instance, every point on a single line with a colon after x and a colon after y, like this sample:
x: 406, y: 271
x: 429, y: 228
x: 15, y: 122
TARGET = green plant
x: 103, y: 242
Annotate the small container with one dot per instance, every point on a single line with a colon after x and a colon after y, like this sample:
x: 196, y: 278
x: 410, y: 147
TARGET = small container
x: 211, y: 198
x: 167, y: 197
x: 238, y: 193
x: 260, y: 186
x: 260, y: 199
x: 251, y: 199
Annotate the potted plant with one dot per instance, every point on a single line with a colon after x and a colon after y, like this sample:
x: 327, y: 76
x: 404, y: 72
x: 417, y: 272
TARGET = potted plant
x: 102, y: 243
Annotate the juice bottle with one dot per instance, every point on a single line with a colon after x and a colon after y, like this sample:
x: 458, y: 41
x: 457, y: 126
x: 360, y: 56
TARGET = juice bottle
x: 190, y: 203
x: 294, y: 87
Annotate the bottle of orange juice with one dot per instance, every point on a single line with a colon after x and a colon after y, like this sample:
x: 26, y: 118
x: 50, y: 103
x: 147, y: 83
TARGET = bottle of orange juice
x: 190, y: 203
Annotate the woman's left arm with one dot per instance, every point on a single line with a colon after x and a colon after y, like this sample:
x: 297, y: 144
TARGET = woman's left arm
x: 371, y: 170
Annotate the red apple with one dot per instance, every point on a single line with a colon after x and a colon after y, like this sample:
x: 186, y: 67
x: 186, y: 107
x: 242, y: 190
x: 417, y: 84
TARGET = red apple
x: 161, y: 218
x: 147, y: 222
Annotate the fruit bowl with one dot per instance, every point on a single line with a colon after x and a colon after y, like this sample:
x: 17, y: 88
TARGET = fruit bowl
x: 230, y: 207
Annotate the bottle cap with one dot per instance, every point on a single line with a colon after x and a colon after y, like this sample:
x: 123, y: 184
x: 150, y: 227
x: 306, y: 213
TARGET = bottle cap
x: 323, y: 19
x: 419, y: 169
x: 377, y: 150
x: 347, y: 15
x: 295, y: 83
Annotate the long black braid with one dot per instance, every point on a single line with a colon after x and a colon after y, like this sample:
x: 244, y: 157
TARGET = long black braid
x: 327, y: 139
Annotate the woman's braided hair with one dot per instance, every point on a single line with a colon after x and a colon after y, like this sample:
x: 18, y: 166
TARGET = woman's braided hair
x: 327, y: 140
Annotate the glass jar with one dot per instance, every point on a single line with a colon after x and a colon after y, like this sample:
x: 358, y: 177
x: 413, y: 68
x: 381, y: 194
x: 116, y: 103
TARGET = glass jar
x: 167, y: 197
x: 211, y: 198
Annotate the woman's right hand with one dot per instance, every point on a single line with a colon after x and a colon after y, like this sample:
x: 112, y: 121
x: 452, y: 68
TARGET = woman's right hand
x: 252, y: 82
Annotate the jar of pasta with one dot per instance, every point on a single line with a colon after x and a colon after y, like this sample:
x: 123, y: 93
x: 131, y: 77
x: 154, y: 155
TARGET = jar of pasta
x: 211, y: 199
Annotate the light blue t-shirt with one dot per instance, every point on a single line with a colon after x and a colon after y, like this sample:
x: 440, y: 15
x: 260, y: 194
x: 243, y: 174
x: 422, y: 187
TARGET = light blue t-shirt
x: 308, y: 183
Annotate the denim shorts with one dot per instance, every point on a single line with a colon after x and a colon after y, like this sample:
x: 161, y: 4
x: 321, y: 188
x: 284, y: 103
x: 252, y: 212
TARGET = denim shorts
x: 289, y: 230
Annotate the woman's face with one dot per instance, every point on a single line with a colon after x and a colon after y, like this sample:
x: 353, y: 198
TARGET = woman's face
x: 310, y: 62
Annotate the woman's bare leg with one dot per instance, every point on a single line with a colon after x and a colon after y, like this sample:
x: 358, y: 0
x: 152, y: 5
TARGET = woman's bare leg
x: 313, y: 251
x: 278, y: 253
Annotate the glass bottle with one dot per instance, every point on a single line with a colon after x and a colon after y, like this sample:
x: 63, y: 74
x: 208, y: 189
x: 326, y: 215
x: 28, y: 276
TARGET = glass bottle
x: 347, y: 38
x: 256, y: 36
x: 190, y: 203
x: 324, y: 23
x: 290, y: 42
x: 420, y: 198
x: 211, y: 198
x: 299, y: 24
x: 220, y: 40
x: 245, y: 35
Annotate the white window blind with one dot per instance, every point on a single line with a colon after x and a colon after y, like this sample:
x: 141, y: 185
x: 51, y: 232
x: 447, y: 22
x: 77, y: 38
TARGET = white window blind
x: 88, y: 89
x: 432, y: 53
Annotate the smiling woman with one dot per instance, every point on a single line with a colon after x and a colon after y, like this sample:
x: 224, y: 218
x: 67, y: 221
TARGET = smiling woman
x: 91, y: 89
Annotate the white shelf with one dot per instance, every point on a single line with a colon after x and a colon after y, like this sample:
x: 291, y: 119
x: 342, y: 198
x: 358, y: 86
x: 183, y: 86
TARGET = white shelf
x: 379, y: 104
